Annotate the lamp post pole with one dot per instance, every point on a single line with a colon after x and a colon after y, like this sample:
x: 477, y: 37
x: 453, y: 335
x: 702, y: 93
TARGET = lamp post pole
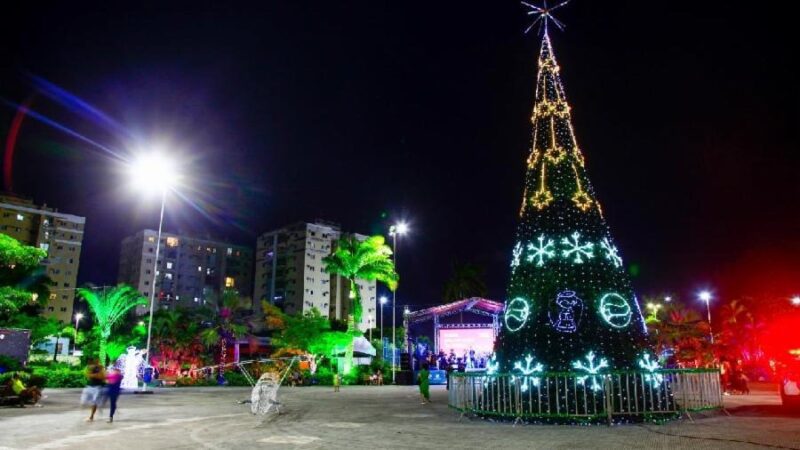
x: 153, y: 285
x: 78, y: 317
x: 706, y: 297
x: 394, y: 305
x: 382, y: 300
x: 710, y: 331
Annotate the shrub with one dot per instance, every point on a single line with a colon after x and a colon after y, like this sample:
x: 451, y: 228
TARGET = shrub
x: 235, y: 379
x: 59, y: 377
x: 189, y: 381
x: 8, y: 364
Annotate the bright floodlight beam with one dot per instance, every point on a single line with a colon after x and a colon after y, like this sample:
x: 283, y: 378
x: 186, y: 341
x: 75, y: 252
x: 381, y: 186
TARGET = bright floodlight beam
x: 796, y: 300
x: 153, y: 172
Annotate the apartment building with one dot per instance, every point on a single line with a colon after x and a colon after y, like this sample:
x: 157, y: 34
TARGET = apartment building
x: 59, y: 234
x: 290, y: 273
x: 191, y: 272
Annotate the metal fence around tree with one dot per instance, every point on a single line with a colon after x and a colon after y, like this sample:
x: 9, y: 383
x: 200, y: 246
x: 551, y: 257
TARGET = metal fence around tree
x: 577, y: 397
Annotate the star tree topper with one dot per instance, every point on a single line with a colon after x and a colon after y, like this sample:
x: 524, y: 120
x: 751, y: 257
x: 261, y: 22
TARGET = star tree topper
x: 543, y: 15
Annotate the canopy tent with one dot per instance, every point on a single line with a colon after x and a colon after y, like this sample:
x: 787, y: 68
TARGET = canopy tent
x: 479, y: 312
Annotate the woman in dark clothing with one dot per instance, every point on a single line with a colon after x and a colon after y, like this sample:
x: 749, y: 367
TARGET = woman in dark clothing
x: 113, y: 385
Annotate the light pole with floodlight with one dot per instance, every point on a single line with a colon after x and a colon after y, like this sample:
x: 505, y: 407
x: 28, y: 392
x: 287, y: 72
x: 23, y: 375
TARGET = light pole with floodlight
x: 383, y: 301
x: 78, y: 317
x: 154, y: 171
x: 795, y: 301
x: 395, y: 230
x: 706, y: 297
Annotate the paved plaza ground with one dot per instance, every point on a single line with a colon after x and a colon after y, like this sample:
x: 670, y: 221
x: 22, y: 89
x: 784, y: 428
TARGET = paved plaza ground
x: 365, y: 417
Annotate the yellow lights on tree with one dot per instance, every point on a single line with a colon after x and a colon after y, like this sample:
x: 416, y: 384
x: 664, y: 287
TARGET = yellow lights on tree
x: 541, y: 199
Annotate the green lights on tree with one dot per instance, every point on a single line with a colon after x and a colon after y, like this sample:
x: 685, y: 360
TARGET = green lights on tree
x: 108, y: 307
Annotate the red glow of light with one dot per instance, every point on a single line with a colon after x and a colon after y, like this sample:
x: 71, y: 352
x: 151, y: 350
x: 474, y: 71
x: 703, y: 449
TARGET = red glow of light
x: 11, y: 143
x: 781, y: 339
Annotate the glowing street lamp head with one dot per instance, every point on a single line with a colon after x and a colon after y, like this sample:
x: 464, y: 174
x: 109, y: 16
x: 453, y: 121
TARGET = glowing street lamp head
x: 796, y: 300
x: 668, y: 299
x: 384, y: 300
x: 400, y: 228
x: 705, y: 296
x: 153, y: 172
x: 78, y: 316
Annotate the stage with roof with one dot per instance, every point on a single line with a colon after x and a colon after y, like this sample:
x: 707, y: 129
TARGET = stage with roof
x: 456, y: 336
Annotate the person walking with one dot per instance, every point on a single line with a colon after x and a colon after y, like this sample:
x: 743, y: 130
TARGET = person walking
x: 113, y: 386
x: 336, y: 382
x: 424, y: 384
x: 93, y: 392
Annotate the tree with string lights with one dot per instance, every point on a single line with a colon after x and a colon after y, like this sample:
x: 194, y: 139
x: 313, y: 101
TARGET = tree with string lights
x: 570, y: 304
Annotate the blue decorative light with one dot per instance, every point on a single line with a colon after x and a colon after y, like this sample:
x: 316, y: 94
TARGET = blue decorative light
x: 570, y: 311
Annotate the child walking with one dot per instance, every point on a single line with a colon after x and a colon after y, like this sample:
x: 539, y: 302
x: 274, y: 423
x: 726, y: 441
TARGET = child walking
x: 424, y: 384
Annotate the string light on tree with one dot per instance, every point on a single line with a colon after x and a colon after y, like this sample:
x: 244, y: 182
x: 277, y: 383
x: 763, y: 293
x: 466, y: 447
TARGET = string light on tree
x: 592, y: 369
x: 611, y: 252
x: 567, y: 284
x: 516, y: 254
x: 651, y: 366
x: 574, y: 247
x: 526, y: 372
x: 541, y: 251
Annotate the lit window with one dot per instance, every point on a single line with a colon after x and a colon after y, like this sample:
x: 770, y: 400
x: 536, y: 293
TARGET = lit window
x: 20, y: 217
x: 168, y: 276
x: 197, y: 299
x: 151, y: 239
x: 169, y: 264
x: 199, y: 269
x: 172, y: 242
x: 44, y: 246
x: 229, y: 282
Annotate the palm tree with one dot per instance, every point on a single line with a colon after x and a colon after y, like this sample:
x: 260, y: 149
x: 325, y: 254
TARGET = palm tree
x: 367, y: 260
x: 224, y: 330
x: 467, y: 281
x: 108, y: 307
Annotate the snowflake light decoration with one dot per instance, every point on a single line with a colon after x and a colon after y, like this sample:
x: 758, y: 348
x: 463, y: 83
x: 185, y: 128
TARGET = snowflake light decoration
x: 655, y: 379
x: 492, y: 367
x: 577, y: 249
x: 542, y: 251
x: 515, y: 255
x: 591, y: 369
x: 612, y: 254
x: 526, y: 371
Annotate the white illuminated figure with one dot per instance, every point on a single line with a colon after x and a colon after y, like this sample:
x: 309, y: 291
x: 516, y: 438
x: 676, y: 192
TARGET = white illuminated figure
x: 264, y: 396
x: 130, y: 363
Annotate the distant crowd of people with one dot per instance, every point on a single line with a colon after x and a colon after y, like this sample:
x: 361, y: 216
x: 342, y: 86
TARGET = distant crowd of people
x: 451, y: 361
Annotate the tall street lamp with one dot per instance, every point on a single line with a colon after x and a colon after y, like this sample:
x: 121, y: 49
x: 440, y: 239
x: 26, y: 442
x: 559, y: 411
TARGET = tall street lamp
x: 706, y: 297
x: 383, y: 300
x: 154, y: 172
x: 78, y: 317
x: 400, y: 229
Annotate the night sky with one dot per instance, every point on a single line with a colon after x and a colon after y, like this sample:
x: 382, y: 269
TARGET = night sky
x: 366, y: 112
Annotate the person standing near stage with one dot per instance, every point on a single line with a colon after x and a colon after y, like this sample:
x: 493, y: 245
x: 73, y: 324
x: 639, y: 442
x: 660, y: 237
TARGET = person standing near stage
x: 424, y: 384
x: 113, y: 386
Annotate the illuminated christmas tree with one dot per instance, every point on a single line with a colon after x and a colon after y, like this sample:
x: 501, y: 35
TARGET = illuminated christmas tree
x: 570, y: 304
